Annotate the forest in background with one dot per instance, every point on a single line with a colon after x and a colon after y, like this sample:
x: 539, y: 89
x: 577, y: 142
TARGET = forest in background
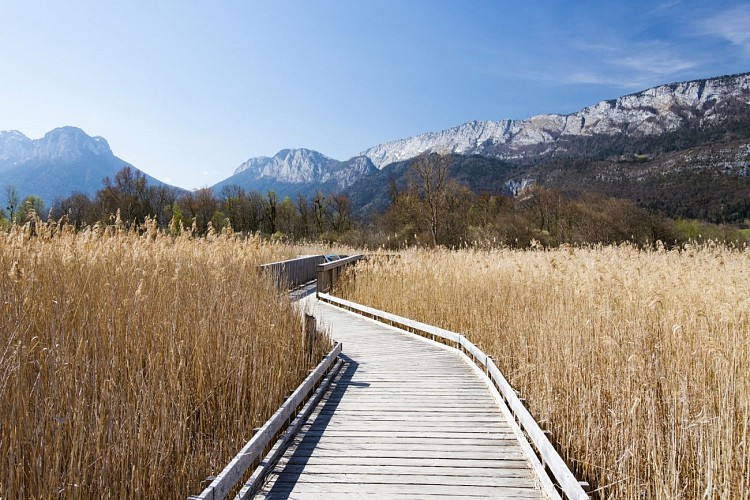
x: 427, y: 205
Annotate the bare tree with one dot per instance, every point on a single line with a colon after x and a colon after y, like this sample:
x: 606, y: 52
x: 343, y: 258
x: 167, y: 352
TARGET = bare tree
x: 339, y: 214
x: 11, y: 196
x: 320, y: 207
x: 431, y: 172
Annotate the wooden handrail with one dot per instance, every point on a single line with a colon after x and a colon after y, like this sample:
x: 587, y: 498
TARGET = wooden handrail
x: 329, y: 272
x: 271, y: 459
x: 255, y: 448
x: 326, y: 266
x: 294, y: 272
x: 549, y: 456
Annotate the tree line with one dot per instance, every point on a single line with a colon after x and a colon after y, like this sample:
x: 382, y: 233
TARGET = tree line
x: 427, y: 209
x: 430, y: 208
x: 129, y: 199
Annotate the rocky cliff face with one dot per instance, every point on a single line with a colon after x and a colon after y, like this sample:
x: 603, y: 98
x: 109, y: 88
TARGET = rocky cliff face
x: 304, y: 166
x: 69, y: 143
x: 65, y: 144
x: 15, y: 148
x: 298, y: 171
x: 651, y: 112
x: 290, y: 165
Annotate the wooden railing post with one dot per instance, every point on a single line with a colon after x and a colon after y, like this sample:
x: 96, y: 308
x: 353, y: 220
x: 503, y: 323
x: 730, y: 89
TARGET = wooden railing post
x: 311, y: 334
x: 329, y: 272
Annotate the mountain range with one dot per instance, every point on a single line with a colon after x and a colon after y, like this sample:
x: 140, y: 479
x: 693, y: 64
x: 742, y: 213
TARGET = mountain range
x: 655, y: 138
x: 299, y: 171
x: 652, y: 112
x: 508, y: 155
x: 64, y: 161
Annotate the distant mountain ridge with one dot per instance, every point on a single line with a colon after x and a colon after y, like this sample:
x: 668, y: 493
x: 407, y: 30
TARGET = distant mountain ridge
x: 591, y: 148
x: 608, y: 127
x: 64, y: 161
x: 63, y: 144
x: 292, y: 172
x: 650, y: 112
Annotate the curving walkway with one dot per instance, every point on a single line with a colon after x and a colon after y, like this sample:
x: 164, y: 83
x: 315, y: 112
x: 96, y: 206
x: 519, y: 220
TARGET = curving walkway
x: 406, y: 418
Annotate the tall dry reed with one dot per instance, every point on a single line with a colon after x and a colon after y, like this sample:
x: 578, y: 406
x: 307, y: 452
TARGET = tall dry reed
x: 136, y: 365
x: 637, y: 361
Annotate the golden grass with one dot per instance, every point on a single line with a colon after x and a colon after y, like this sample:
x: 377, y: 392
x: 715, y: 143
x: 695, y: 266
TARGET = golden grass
x: 637, y: 361
x: 135, y: 366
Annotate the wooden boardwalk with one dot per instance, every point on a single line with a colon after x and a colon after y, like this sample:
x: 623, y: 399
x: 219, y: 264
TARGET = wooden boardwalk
x: 405, y: 418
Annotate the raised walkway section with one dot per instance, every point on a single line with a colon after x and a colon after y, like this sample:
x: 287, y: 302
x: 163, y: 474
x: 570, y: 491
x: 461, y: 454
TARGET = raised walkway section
x: 405, y: 418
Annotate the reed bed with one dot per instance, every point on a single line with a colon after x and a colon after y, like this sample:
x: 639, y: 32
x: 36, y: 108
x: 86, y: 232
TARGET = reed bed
x: 136, y: 364
x: 638, y: 361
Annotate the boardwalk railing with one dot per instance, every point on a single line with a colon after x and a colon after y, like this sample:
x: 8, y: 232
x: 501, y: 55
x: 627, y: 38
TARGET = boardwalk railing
x: 294, y: 272
x: 328, y: 273
x: 232, y: 475
x: 559, y: 473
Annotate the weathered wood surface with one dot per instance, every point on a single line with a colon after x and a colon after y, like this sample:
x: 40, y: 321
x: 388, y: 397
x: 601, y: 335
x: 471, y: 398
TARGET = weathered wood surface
x: 512, y: 405
x: 293, y: 272
x: 403, y: 419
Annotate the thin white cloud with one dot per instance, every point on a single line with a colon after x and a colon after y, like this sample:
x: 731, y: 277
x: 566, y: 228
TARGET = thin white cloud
x: 625, y: 65
x: 666, y: 6
x: 655, y: 63
x: 588, y: 77
x: 733, y: 25
x: 615, y: 58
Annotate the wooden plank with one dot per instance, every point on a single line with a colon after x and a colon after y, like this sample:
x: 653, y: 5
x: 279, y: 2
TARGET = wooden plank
x: 457, y: 425
x: 375, y: 411
x: 436, y: 435
x: 393, y: 414
x: 375, y: 394
x: 425, y: 404
x: 413, y: 448
x: 520, y: 471
x: 364, y: 477
x: 388, y: 490
x: 404, y: 425
x: 507, y: 440
x: 343, y: 461
x: 365, y: 495
x: 404, y: 452
x: 327, y: 266
x: 328, y: 273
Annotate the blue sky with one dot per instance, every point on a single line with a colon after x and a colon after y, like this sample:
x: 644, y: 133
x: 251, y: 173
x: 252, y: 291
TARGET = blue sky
x: 187, y: 90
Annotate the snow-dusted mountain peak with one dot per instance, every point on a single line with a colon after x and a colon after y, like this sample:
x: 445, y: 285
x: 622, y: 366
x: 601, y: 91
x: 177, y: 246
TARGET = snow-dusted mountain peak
x: 70, y: 142
x: 301, y: 167
x: 64, y: 161
x: 650, y: 112
x: 288, y: 165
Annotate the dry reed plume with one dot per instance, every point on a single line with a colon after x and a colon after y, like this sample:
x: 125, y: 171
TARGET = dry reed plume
x: 637, y: 361
x: 135, y: 365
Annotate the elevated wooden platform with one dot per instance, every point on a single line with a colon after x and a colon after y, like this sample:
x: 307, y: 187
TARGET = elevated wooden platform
x: 405, y: 418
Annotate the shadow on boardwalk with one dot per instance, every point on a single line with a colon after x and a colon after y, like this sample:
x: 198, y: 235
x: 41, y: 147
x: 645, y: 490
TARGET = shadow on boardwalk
x: 293, y: 467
